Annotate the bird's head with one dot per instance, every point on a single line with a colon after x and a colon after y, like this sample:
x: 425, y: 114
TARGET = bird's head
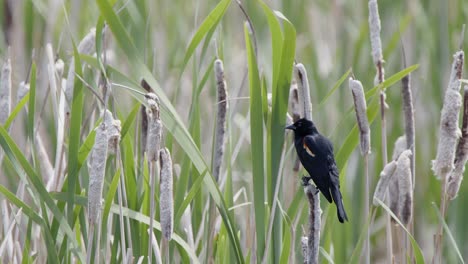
x: 303, y: 127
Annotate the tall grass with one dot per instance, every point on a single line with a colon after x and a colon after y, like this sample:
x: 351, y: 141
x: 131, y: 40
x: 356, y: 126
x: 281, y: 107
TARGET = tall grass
x: 50, y: 132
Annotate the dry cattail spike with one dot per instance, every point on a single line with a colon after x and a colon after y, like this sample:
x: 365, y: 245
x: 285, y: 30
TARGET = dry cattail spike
x: 86, y: 46
x: 408, y: 111
x: 360, y: 107
x: 405, y: 186
x: 154, y: 127
x: 304, y: 245
x: 144, y: 118
x: 97, y: 166
x: 315, y: 213
x: 294, y: 105
x: 300, y: 74
x: 165, y: 192
x: 5, y: 91
x: 449, y: 131
x: 461, y: 155
x: 374, y: 30
x: 113, y: 132
x: 220, y: 132
x: 382, y: 185
x: 23, y: 89
x: 393, y: 185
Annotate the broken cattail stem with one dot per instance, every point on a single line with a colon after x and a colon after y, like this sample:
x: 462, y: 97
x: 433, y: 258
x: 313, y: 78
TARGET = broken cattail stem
x: 361, y: 114
x: 315, y: 213
x: 166, y: 198
x: 220, y: 132
x: 86, y: 46
x: 154, y: 127
x: 144, y: 120
x: 405, y: 185
x: 385, y: 176
x: 5, y: 91
x: 461, y: 155
x: 300, y: 74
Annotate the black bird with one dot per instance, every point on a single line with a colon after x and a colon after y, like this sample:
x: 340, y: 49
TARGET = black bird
x: 316, y: 155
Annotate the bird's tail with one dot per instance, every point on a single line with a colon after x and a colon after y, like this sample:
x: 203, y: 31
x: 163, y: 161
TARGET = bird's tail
x: 335, y: 191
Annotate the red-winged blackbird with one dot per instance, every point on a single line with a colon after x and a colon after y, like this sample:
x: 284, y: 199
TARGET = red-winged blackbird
x: 316, y: 154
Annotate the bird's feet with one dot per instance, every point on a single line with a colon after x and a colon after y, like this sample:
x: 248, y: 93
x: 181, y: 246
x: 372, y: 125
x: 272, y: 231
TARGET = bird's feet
x: 305, y: 180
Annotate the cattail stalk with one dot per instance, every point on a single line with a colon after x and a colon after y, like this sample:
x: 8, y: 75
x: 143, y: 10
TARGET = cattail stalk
x: 311, y: 192
x: 220, y: 132
x: 315, y: 212
x: 461, y: 155
x: 5, y: 91
x: 364, y: 132
x: 449, y: 133
x: 153, y: 146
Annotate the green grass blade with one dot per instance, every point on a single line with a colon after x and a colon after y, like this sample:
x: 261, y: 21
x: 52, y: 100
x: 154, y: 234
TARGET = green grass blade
x: 257, y: 150
x: 32, y: 103
x: 14, y: 153
x: 211, y: 21
x: 449, y: 233
x: 74, y: 138
x: 16, y: 111
x: 27, y: 244
x: 335, y: 87
x: 418, y: 256
x: 170, y: 118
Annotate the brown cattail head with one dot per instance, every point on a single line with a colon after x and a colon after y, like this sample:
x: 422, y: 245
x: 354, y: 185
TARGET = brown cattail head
x: 385, y: 177
x: 220, y: 132
x: 97, y: 166
x: 166, y: 198
x: 405, y: 186
x: 361, y: 114
x: 461, y: 156
x: 154, y: 127
x: 5, y: 91
x: 449, y: 131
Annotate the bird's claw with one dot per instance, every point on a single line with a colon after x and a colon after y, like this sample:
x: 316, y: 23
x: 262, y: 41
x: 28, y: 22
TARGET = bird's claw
x: 305, y: 181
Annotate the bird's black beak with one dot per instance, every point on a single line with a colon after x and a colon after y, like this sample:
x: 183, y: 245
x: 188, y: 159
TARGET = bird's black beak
x: 292, y: 127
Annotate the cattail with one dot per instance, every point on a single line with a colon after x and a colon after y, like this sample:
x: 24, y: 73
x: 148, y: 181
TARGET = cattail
x: 393, y: 186
x: 456, y: 175
x: 86, y: 46
x: 315, y: 213
x: 385, y: 176
x: 374, y: 30
x: 113, y: 132
x: 361, y: 115
x: 23, y: 89
x: 165, y: 192
x: 294, y: 104
x: 304, y: 245
x: 97, y: 168
x: 220, y: 133
x: 408, y: 111
x: 144, y: 118
x: 300, y: 74
x: 405, y: 186
x: 5, y: 91
x: 47, y: 170
x: 154, y: 127
x: 449, y: 131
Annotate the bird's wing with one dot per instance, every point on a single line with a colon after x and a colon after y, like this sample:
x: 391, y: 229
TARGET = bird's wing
x: 316, y: 147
